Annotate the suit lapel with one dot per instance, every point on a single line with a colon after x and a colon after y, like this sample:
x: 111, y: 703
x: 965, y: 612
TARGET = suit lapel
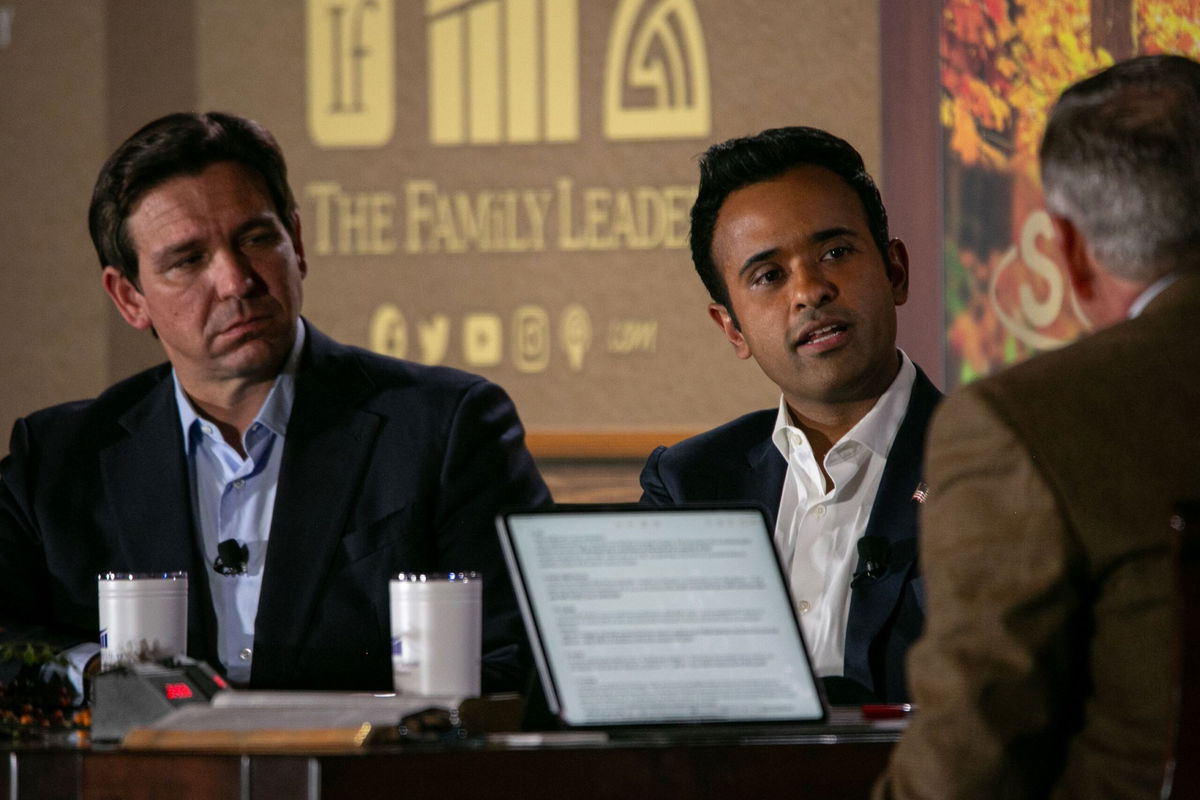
x: 768, y: 469
x: 145, y: 477
x: 894, y: 518
x: 328, y: 442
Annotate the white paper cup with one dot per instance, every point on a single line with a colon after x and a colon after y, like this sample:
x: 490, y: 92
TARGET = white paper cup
x: 437, y: 632
x: 143, y: 616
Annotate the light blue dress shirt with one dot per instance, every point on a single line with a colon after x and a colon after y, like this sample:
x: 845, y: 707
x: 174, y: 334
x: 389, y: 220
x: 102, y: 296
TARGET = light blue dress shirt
x: 234, y: 498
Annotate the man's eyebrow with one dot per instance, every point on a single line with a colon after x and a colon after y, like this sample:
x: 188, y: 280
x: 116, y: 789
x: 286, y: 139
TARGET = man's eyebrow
x: 757, y: 258
x: 832, y: 233
x: 171, y: 251
x: 264, y: 220
x: 823, y: 235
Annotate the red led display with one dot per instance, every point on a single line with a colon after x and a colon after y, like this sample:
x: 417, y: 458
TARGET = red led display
x: 178, y: 691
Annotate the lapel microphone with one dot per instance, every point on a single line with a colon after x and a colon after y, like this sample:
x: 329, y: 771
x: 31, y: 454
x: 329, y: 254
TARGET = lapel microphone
x: 232, y: 556
x: 874, y: 552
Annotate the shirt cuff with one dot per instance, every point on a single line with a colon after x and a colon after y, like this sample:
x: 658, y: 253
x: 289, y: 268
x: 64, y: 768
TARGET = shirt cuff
x: 71, y: 665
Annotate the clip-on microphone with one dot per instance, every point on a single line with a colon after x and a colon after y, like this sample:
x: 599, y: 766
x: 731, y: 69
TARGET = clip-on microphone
x: 232, y: 556
x: 875, y: 552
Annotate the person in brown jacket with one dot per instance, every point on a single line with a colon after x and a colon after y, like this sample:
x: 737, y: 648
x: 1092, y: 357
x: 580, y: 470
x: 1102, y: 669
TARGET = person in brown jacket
x: 1045, y: 668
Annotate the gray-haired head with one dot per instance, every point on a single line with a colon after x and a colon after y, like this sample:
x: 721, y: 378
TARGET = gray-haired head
x: 1121, y: 160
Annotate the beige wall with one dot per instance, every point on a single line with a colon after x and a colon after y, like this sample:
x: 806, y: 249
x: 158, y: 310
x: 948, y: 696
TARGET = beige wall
x: 52, y: 138
x: 78, y: 76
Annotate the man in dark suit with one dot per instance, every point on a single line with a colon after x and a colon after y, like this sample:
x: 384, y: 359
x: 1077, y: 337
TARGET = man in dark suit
x: 329, y: 468
x: 1047, y: 666
x: 790, y: 236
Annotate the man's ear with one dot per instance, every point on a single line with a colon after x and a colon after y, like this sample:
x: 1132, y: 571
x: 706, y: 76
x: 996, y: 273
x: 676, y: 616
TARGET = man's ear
x: 1081, y: 270
x: 128, y: 299
x: 897, y: 267
x: 298, y: 244
x: 728, y: 326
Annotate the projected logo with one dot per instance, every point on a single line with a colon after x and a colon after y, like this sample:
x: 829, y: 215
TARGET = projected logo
x: 508, y: 71
x: 351, y: 69
x: 656, y: 85
x: 503, y: 71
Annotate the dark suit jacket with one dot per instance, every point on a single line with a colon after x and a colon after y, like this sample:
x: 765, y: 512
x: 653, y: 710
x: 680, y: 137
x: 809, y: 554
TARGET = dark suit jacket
x: 737, y: 462
x: 387, y: 466
x: 1047, y: 665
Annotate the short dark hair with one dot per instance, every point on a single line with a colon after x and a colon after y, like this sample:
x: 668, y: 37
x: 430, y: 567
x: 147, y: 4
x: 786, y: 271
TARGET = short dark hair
x: 737, y: 163
x: 174, y: 145
x: 1121, y: 159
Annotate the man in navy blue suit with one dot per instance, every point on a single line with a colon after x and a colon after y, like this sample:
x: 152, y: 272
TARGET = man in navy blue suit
x: 289, y: 475
x: 790, y: 236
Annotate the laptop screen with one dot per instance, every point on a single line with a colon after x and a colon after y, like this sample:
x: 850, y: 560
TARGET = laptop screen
x: 641, y: 615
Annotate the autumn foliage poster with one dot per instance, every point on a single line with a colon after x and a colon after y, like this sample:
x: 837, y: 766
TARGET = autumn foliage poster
x: 1003, y: 63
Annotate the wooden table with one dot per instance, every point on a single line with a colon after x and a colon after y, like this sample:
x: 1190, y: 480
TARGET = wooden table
x: 834, y: 762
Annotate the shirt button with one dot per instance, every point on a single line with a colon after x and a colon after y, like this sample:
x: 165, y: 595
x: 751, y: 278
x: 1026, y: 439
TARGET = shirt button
x: 246, y: 654
x: 239, y: 483
x: 207, y: 431
x: 819, y: 511
x: 803, y: 607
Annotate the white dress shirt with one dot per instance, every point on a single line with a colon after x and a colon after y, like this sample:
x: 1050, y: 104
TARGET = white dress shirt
x: 234, y: 498
x: 1150, y: 292
x: 817, y: 531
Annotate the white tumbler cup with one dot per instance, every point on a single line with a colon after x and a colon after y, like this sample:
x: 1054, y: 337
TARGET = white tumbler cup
x: 143, y: 616
x: 437, y: 632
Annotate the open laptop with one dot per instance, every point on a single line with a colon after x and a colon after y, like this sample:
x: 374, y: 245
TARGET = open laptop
x: 643, y: 617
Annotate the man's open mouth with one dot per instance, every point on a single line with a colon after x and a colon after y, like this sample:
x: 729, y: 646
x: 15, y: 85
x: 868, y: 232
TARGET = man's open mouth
x: 821, y: 334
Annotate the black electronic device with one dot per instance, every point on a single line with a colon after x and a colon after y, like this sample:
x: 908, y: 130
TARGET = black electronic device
x: 132, y: 696
x: 687, y: 592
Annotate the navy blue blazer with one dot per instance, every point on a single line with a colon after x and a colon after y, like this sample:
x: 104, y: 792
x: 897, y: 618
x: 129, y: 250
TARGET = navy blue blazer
x: 737, y: 462
x: 387, y: 466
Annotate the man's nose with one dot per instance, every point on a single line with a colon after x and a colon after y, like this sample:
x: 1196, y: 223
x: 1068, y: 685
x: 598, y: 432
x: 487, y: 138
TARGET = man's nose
x: 233, y: 274
x: 811, y: 287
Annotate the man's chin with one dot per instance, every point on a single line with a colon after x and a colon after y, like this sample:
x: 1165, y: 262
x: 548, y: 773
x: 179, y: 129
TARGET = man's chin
x: 254, y: 356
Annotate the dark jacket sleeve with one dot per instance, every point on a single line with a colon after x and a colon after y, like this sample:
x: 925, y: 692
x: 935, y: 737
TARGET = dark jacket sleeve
x: 488, y: 468
x: 654, y: 490
x: 26, y: 597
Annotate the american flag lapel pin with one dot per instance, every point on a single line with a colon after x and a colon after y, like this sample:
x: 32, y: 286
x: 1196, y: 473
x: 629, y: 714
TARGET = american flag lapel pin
x: 921, y: 492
